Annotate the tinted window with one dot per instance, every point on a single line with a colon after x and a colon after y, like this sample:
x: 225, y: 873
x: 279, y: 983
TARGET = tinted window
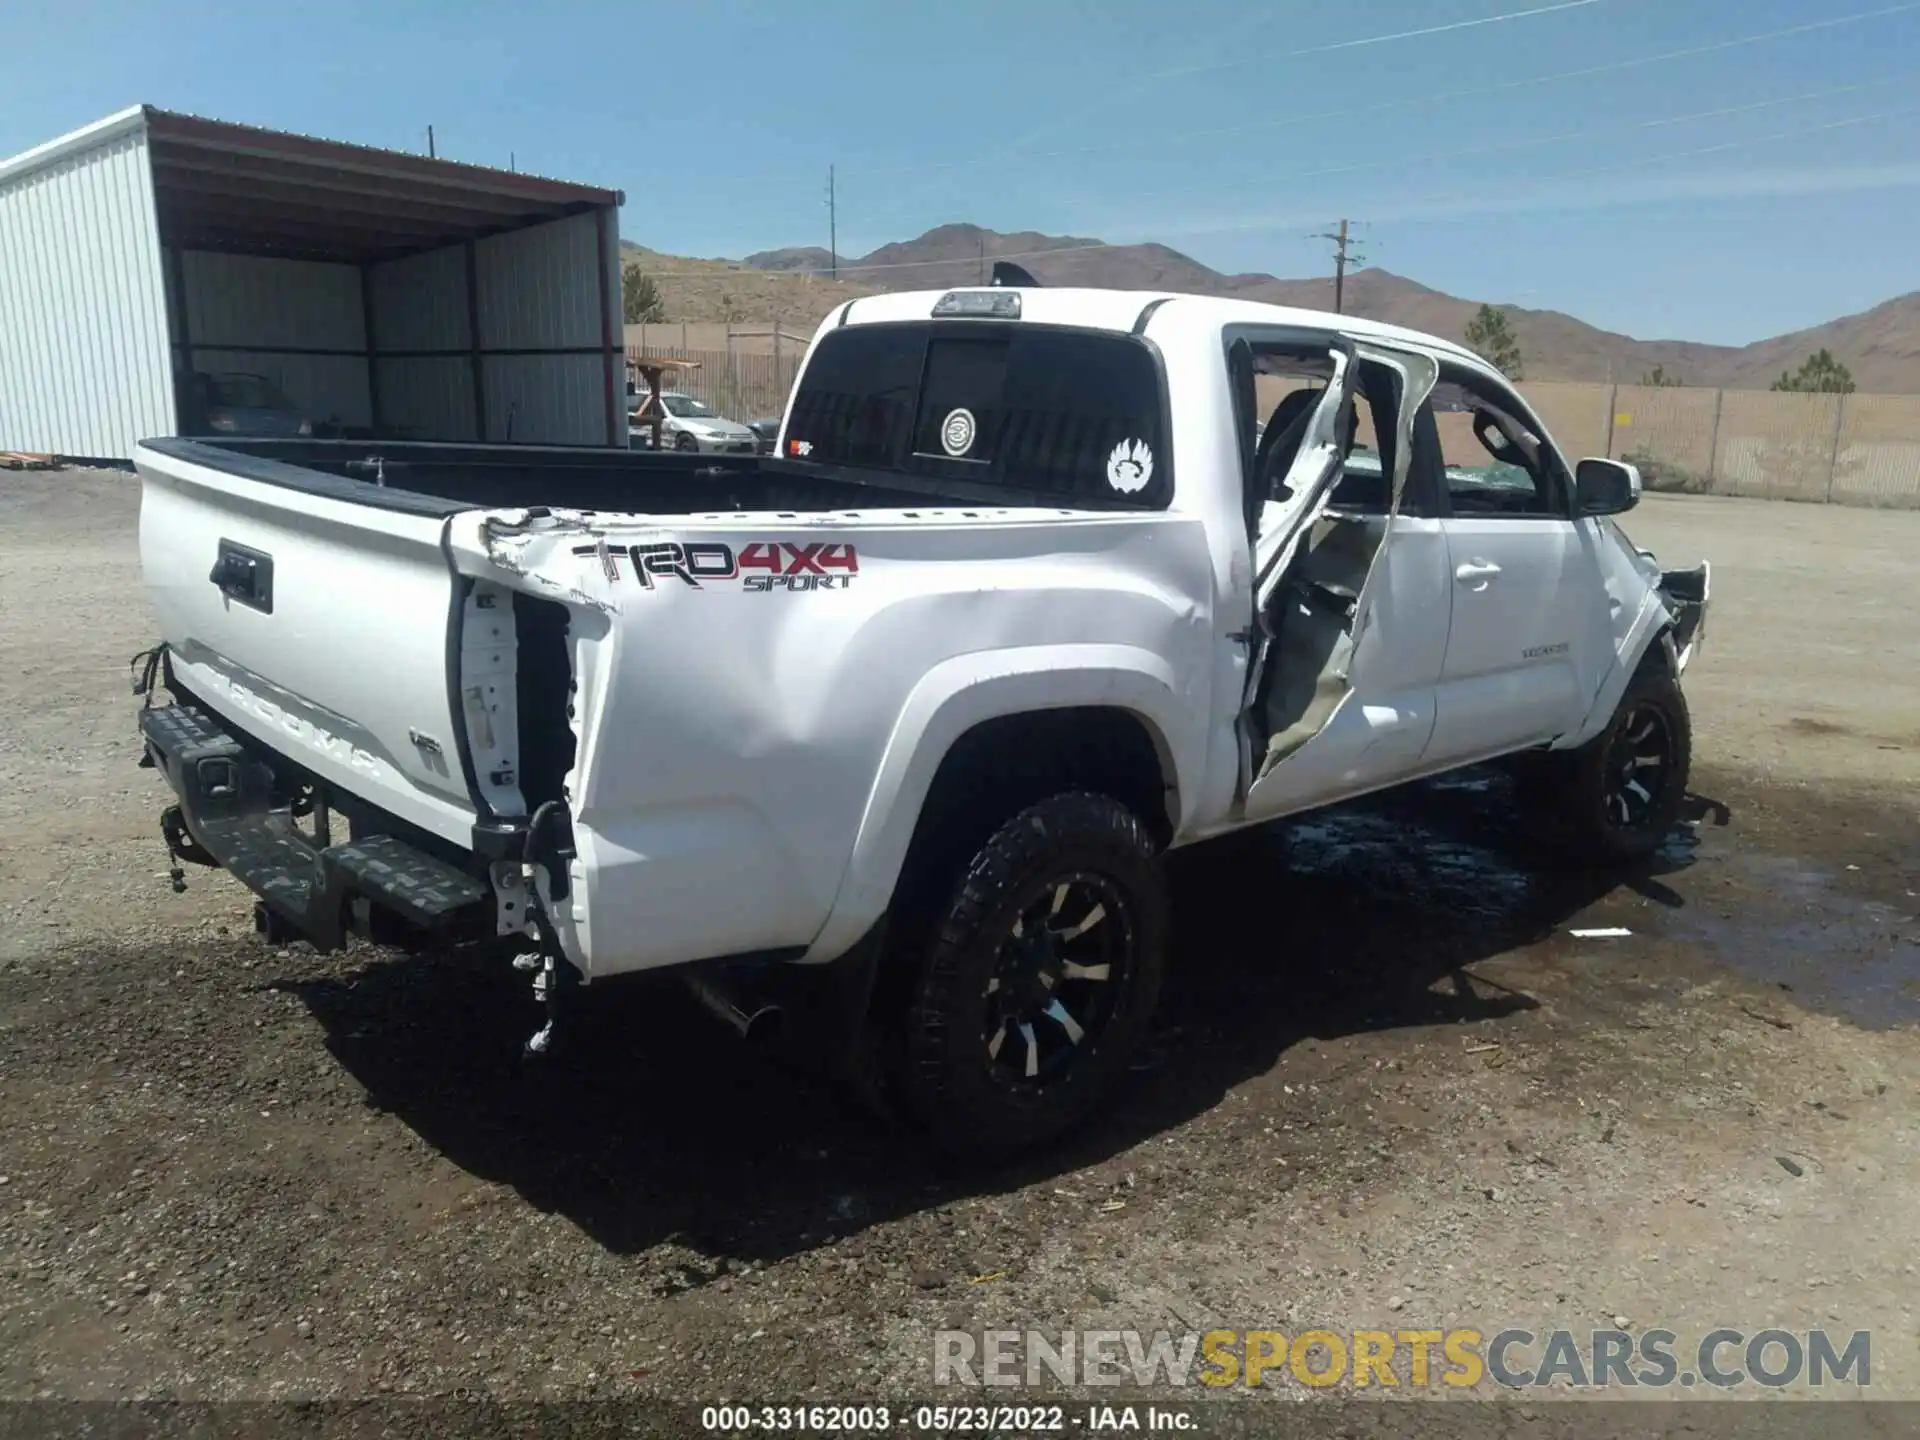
x: 960, y: 398
x: 1070, y: 415
x: 855, y: 405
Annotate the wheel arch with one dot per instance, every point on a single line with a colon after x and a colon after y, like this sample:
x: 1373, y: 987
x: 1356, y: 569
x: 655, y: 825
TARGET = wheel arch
x: 1104, y: 717
x: 1650, y: 638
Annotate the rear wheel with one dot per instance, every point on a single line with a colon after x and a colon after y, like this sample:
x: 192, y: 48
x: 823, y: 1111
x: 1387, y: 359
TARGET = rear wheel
x: 1621, y: 792
x: 1040, y: 980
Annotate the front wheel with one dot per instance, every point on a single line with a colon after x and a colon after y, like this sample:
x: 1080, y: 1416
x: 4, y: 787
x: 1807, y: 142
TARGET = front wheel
x: 685, y: 443
x: 1041, y: 978
x: 1622, y: 791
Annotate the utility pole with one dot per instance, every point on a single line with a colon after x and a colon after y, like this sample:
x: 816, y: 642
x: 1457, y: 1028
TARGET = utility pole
x: 1343, y: 256
x: 983, y: 258
x: 833, y: 230
x: 430, y: 151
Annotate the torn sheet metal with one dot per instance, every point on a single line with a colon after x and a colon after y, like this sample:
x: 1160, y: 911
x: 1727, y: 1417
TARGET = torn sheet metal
x: 541, y: 549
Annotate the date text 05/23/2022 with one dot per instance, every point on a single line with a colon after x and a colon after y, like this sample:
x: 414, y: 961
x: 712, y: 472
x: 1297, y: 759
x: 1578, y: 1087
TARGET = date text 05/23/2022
x: 727, y: 1419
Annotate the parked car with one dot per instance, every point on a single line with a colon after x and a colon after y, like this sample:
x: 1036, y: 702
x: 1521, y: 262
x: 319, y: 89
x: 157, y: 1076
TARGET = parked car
x: 692, y: 424
x: 233, y: 403
x: 889, y: 736
x: 766, y: 430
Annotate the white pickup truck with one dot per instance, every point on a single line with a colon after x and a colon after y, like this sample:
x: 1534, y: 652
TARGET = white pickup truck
x: 889, y: 732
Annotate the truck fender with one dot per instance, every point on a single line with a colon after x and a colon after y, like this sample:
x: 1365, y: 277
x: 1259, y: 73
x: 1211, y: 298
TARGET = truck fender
x: 962, y: 692
x: 1649, y: 628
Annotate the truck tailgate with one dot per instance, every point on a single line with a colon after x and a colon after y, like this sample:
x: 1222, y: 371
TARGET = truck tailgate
x: 322, y: 626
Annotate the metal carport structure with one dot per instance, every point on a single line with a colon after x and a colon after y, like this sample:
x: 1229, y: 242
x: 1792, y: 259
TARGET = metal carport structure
x: 389, y: 294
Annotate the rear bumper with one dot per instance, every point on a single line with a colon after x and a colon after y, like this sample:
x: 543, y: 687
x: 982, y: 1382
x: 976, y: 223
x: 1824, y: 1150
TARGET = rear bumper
x: 236, y: 804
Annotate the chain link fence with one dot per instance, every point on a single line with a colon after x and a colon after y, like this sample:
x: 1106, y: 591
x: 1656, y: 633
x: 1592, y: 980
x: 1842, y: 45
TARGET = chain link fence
x: 739, y: 383
x: 1777, y: 445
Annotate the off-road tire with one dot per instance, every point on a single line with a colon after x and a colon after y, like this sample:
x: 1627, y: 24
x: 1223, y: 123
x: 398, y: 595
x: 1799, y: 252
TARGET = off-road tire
x: 1591, y: 822
x: 949, y: 1082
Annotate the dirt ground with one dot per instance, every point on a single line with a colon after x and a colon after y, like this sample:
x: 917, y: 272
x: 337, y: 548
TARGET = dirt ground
x: 1389, y: 1088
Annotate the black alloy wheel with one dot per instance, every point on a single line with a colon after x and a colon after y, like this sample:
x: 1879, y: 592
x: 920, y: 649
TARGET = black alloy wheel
x: 1066, y: 955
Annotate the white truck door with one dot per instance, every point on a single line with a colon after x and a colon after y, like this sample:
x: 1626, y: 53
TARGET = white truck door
x: 1530, y: 633
x: 1341, y: 697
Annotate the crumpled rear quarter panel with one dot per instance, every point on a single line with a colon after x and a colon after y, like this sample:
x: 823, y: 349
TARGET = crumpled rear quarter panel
x: 737, y: 697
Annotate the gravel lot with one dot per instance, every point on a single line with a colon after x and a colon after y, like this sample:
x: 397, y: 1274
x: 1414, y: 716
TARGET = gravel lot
x: 1389, y: 1088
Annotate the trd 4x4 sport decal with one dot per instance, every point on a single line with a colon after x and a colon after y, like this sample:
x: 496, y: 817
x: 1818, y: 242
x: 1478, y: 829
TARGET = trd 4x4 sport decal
x: 761, y: 566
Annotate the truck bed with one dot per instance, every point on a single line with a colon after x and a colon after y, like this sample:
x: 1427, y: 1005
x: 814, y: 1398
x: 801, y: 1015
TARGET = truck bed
x: 694, y: 666
x: 438, y: 480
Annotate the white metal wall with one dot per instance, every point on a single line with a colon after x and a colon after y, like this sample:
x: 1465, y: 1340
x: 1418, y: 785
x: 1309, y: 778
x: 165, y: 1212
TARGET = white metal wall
x: 540, y: 289
x: 84, y: 363
x: 300, y: 323
x: 540, y: 353
x: 420, y: 304
x: 546, y: 399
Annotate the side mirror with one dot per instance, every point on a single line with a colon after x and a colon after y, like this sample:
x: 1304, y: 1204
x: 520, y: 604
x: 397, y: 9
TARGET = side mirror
x: 1605, y: 487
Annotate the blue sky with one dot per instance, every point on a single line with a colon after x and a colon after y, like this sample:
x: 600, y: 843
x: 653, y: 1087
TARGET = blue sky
x: 1735, y: 192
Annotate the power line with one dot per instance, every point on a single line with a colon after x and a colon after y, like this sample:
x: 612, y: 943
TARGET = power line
x: 833, y: 229
x: 1633, y: 164
x: 1531, y: 142
x: 1181, y: 71
x: 1394, y: 162
x: 1136, y: 142
x: 1334, y: 45
x: 1639, y: 162
x: 1343, y: 256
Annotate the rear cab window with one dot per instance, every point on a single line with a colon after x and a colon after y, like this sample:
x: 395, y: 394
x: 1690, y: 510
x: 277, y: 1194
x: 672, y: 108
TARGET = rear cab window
x: 1012, y: 412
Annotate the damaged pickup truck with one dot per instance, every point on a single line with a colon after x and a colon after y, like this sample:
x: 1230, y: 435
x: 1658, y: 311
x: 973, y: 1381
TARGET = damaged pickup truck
x: 885, y: 735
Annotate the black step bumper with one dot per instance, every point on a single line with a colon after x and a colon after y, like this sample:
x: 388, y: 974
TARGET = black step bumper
x: 233, y: 805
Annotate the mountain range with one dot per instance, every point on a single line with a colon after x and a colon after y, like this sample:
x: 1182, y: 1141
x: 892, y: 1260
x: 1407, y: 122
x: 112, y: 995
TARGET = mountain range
x: 1880, y: 346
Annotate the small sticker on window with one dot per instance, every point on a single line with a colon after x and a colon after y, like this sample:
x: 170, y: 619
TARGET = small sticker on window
x: 1130, y: 467
x: 799, y: 447
x: 956, y: 432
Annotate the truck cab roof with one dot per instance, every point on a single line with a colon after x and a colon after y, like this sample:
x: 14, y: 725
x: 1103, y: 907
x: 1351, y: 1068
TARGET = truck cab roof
x: 1129, y: 311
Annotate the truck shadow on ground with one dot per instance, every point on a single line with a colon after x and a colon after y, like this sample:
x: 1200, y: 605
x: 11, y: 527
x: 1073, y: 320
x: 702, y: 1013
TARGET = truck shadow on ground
x: 654, y: 1122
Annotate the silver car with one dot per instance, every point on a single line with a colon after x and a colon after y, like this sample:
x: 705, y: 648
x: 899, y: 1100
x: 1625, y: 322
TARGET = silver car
x: 692, y: 424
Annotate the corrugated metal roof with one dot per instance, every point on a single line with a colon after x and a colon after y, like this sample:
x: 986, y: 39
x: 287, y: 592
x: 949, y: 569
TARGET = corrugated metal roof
x: 224, y: 186
x: 369, y: 159
x: 87, y: 137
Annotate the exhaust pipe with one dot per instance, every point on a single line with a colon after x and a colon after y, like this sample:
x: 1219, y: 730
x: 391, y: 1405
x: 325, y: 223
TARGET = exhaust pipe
x: 751, y: 1019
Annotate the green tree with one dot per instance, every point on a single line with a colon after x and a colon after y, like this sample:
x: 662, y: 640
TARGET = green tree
x: 1489, y: 336
x: 640, y: 300
x: 1820, y: 373
x: 1658, y: 379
